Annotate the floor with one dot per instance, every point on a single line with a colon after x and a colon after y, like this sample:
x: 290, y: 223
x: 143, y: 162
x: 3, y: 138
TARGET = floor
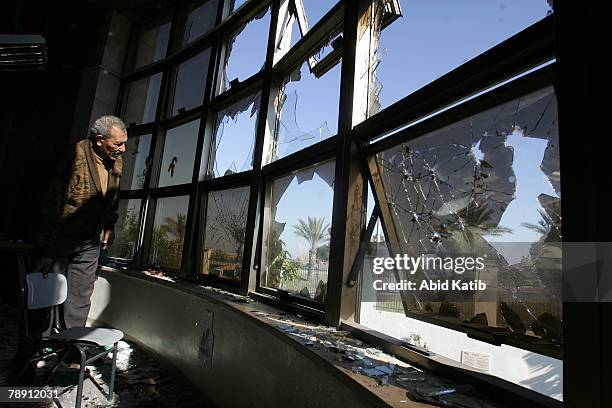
x: 140, y: 381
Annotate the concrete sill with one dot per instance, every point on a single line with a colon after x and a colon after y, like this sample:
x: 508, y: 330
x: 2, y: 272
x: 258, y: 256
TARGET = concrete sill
x: 224, y: 342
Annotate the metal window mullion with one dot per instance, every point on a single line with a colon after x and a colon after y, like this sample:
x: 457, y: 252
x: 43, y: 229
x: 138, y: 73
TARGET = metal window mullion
x: 525, y: 50
x: 531, y: 82
x: 257, y: 185
x: 193, y: 229
x: 154, y: 152
x: 337, y: 295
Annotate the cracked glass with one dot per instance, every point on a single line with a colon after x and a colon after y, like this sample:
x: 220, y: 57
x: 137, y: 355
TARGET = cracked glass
x: 201, y: 19
x: 169, y: 232
x: 179, y: 154
x: 306, y: 110
x: 125, y: 240
x: 142, y: 97
x: 297, y: 231
x: 226, y: 219
x: 245, y: 52
x: 136, y: 162
x: 190, y: 83
x: 234, y: 140
x: 487, y: 186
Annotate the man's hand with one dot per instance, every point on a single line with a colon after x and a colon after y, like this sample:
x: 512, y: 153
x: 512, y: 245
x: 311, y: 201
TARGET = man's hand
x: 106, y: 239
x: 42, y: 265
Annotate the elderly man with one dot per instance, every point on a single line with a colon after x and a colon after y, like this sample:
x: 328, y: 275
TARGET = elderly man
x: 81, y: 203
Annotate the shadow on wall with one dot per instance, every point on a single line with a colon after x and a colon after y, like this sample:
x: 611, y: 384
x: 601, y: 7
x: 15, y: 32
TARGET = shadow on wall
x: 546, y: 374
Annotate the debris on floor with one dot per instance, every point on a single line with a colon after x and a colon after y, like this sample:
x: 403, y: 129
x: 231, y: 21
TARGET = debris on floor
x: 140, y: 381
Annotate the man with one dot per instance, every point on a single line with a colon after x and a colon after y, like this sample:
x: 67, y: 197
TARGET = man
x: 81, y: 203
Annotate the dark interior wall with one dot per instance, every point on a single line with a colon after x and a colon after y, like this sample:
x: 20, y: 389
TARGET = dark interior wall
x: 37, y: 107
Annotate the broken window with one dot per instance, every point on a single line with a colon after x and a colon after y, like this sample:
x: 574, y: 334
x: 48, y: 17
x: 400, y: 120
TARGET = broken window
x: 245, y: 51
x: 235, y: 5
x: 136, y: 162
x: 297, y: 231
x: 152, y: 43
x: 306, y: 110
x: 294, y: 24
x: 226, y: 219
x: 169, y: 232
x: 201, y: 20
x: 234, y: 141
x: 142, y: 97
x: 295, y: 20
x: 427, y: 42
x: 489, y: 187
x: 190, y: 83
x: 179, y: 154
x: 127, y: 230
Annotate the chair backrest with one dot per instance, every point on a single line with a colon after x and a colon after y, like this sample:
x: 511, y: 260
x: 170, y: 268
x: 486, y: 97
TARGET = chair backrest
x: 46, y: 292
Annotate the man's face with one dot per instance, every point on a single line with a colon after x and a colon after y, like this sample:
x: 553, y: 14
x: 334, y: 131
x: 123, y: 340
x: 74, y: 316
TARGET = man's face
x: 114, y: 146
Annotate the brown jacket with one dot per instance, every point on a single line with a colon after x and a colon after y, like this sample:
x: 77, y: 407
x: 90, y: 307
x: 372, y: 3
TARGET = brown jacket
x: 74, y: 205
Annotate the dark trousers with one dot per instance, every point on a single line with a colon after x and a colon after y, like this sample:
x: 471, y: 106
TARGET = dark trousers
x: 78, y: 260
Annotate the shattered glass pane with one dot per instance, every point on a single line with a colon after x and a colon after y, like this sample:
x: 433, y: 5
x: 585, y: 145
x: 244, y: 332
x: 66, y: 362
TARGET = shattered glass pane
x: 152, y: 44
x: 235, y: 137
x: 296, y: 240
x: 169, y: 232
x: 126, y: 230
x: 226, y: 218
x: 201, y: 20
x: 190, y: 82
x: 427, y: 42
x: 135, y: 162
x: 142, y: 96
x: 295, y: 22
x: 245, y: 52
x: 179, y: 154
x: 306, y: 110
x: 488, y: 184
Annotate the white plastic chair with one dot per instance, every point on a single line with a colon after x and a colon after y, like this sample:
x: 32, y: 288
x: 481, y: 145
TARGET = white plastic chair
x: 51, y: 291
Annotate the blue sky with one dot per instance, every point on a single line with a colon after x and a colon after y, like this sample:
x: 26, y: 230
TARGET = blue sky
x: 432, y: 38
x: 435, y: 36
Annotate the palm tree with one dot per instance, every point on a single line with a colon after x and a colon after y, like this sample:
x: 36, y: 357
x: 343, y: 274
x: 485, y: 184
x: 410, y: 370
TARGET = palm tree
x: 314, y: 232
x: 176, y: 226
x: 548, y: 226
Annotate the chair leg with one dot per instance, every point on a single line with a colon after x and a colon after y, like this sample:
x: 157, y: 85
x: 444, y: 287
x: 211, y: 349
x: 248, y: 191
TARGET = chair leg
x: 60, y: 358
x: 81, y: 377
x: 113, y: 370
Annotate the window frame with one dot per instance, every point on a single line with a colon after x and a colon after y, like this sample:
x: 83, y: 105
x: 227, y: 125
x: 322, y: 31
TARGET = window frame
x: 349, y: 147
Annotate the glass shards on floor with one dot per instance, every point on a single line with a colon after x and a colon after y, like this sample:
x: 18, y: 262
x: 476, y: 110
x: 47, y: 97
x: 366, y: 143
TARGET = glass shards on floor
x: 140, y: 381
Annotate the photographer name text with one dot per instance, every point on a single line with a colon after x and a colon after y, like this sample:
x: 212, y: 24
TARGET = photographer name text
x: 452, y: 284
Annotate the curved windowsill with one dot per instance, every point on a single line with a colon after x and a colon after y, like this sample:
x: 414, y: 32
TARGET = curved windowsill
x: 308, y: 343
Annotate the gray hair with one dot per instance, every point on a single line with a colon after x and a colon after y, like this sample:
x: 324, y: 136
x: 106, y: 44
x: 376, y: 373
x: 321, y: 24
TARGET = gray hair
x: 103, y: 125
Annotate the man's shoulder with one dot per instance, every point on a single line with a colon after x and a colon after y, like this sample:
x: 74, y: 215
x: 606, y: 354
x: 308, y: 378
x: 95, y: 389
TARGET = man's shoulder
x: 78, y: 151
x: 81, y: 146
